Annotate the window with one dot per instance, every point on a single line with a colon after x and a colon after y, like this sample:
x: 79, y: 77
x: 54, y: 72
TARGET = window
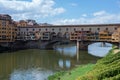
x: 106, y: 28
x: 39, y: 29
x: 82, y: 29
x: 90, y: 29
x: 52, y: 29
x: 3, y: 23
x: 27, y: 29
x: 74, y: 29
x: 59, y: 29
x: 46, y: 29
x: 3, y: 37
x: 98, y: 29
x: 115, y: 28
x: 33, y: 29
x: 66, y: 29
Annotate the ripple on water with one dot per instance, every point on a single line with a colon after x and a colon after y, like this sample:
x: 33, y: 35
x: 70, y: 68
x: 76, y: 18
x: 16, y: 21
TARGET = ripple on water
x: 30, y: 74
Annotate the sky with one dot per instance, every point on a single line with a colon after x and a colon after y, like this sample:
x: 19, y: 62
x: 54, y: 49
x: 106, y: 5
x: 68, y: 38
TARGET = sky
x: 62, y: 12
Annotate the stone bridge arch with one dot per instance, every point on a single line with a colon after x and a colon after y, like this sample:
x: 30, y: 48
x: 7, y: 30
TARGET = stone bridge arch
x: 84, y: 44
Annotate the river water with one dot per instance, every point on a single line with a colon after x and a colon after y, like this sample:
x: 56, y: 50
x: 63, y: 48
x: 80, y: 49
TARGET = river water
x: 35, y: 64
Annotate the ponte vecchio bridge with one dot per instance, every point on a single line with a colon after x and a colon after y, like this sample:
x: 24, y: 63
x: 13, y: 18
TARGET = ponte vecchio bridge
x: 83, y: 33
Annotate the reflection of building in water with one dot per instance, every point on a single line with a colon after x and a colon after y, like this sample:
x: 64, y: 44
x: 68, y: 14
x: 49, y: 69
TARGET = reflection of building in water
x: 64, y: 63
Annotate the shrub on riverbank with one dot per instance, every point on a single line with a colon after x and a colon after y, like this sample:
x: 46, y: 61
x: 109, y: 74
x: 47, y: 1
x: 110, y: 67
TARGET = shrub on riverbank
x: 107, y: 68
x: 71, y: 75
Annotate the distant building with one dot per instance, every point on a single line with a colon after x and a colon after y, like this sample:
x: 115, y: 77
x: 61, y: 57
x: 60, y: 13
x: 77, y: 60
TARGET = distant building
x: 31, y: 22
x: 8, y: 29
x: 22, y: 23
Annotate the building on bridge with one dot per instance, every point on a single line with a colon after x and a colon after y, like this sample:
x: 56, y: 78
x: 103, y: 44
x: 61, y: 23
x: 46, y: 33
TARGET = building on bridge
x: 105, y: 35
x: 65, y: 31
x: 30, y: 30
x: 116, y: 35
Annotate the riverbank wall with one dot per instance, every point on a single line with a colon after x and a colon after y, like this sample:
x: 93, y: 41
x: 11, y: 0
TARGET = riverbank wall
x: 31, y: 44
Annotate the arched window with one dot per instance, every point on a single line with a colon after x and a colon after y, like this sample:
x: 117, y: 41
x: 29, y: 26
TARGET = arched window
x: 115, y: 28
x: 59, y: 29
x: 106, y: 28
x: 66, y: 29
x: 27, y: 29
x: 82, y: 29
x: 39, y: 29
x: 46, y: 29
x: 90, y: 29
x: 33, y: 29
x: 74, y: 29
x: 52, y: 29
x: 98, y: 29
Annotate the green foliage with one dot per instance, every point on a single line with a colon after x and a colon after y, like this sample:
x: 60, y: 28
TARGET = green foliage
x: 107, y: 68
x: 56, y: 75
x: 72, y: 74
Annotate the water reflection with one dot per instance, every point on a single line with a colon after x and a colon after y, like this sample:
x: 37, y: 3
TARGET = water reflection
x: 96, y: 49
x: 30, y: 74
x: 33, y: 64
x: 67, y: 50
x: 64, y: 63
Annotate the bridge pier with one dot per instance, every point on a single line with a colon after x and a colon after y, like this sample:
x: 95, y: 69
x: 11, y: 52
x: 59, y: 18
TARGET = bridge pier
x: 103, y: 44
x: 77, y: 50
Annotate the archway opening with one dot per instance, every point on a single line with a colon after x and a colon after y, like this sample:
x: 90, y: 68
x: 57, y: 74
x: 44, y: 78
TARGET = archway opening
x: 97, y: 49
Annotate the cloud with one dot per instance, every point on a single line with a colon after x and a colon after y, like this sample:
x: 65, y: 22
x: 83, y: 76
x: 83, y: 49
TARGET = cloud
x: 100, y: 13
x: 74, y: 4
x: 101, y: 17
x: 26, y: 9
x: 84, y: 15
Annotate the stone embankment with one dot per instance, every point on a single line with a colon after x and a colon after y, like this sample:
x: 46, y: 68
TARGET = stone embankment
x: 36, y: 44
x: 20, y: 45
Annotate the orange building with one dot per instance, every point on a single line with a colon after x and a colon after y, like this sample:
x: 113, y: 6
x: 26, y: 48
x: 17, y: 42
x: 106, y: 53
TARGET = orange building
x: 79, y: 35
x: 116, y: 35
x: 7, y: 29
x: 105, y: 35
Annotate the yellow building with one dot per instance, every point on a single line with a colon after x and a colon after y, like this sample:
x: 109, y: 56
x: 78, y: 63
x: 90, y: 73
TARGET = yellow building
x: 116, y: 35
x: 79, y: 35
x: 105, y: 35
x: 7, y: 29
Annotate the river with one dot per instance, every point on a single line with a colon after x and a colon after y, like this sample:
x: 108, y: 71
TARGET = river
x: 35, y: 64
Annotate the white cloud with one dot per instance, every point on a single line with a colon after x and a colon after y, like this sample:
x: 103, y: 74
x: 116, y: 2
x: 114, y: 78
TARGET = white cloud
x: 84, y: 15
x: 24, y: 9
x: 74, y: 4
x: 100, y: 13
x: 101, y: 17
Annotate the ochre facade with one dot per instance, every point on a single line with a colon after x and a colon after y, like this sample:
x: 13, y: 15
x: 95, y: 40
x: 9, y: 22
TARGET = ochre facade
x: 8, y: 29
